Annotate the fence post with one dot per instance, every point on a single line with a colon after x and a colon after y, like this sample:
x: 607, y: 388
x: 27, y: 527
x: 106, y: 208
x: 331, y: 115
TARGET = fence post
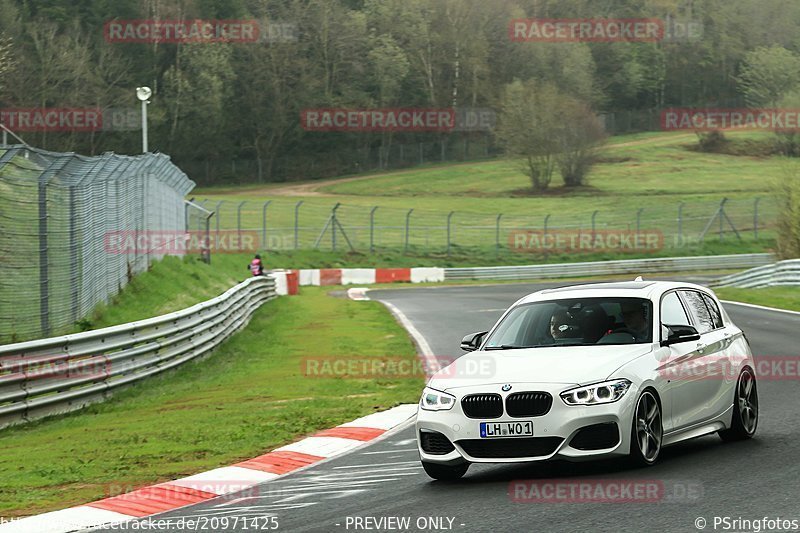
x: 216, y: 222
x: 333, y: 225
x: 638, y: 221
x: 296, y: 220
x: 408, y: 217
x: 372, y: 229
x: 239, y: 220
x: 207, y: 250
x: 594, y: 216
x: 44, y: 281
x: 73, y: 252
x: 546, y: 218
x: 264, y: 224
x: 680, y: 224
x: 497, y: 232
x: 755, y: 218
x: 449, y: 216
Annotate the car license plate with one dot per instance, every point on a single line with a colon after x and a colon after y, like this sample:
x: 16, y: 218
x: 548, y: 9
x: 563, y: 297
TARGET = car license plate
x: 522, y: 428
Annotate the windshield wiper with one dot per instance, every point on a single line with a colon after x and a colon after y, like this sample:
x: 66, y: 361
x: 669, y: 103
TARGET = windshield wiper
x: 506, y: 347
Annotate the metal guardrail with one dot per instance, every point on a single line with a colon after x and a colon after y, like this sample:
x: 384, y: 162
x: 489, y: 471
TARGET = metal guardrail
x: 780, y: 273
x: 600, y: 268
x: 60, y: 374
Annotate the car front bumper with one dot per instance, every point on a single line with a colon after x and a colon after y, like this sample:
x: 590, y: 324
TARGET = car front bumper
x: 558, y: 427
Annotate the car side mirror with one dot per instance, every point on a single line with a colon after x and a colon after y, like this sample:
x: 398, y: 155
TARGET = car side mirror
x: 678, y: 334
x: 472, y: 342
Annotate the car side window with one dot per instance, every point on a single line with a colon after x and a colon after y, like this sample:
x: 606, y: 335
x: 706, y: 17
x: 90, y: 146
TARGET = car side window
x: 713, y: 308
x: 672, y: 311
x: 698, y: 308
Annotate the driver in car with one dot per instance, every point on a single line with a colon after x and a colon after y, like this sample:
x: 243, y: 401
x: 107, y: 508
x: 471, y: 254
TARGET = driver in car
x: 634, y: 316
x: 561, y: 323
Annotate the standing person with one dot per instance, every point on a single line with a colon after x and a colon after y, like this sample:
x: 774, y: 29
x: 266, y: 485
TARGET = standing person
x: 256, y: 267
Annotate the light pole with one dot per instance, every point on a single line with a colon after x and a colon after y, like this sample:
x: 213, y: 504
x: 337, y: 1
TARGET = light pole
x: 143, y: 94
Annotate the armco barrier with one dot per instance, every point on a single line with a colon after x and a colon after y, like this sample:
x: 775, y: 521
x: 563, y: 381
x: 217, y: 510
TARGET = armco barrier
x: 600, y: 268
x: 780, y: 273
x: 61, y: 374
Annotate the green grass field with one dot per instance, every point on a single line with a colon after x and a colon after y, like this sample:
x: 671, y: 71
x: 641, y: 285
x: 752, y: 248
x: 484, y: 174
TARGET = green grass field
x: 654, y: 173
x: 786, y: 297
x: 250, y: 396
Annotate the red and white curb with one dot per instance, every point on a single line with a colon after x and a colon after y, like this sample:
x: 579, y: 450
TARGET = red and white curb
x: 171, y: 495
x: 367, y: 276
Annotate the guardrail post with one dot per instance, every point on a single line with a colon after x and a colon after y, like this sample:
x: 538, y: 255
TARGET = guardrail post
x: 372, y: 229
x: 755, y: 218
x: 497, y: 232
x: 239, y: 220
x: 264, y: 224
x: 296, y: 224
x: 408, y: 218
x: 449, y: 216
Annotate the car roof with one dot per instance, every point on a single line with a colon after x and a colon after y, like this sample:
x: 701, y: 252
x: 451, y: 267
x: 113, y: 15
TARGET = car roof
x: 631, y: 289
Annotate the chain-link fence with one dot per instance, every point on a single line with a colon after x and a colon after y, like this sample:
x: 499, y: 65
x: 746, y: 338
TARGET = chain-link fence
x: 70, y: 230
x: 285, y: 223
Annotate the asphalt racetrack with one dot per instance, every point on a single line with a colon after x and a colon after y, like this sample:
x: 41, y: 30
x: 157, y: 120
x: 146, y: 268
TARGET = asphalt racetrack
x: 381, y: 487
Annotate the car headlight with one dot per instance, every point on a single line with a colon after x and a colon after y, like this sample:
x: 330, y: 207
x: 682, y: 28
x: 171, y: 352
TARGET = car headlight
x: 599, y: 393
x: 434, y: 400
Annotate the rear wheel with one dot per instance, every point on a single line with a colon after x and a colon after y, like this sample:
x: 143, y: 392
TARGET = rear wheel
x: 646, y: 430
x: 745, y: 409
x: 445, y: 472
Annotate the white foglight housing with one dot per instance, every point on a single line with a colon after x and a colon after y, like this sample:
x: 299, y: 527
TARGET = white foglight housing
x: 434, y: 400
x: 599, y: 393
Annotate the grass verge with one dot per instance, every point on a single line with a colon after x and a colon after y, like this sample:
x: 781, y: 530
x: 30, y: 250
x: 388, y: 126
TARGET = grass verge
x: 249, y: 397
x: 785, y: 297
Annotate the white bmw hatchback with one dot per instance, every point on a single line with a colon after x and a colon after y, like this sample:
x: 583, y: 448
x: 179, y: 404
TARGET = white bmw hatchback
x: 590, y: 371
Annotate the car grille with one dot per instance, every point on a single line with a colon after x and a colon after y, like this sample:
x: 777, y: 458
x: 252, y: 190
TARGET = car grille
x: 482, y: 405
x: 510, y: 447
x: 435, y: 443
x: 596, y: 437
x: 528, y: 404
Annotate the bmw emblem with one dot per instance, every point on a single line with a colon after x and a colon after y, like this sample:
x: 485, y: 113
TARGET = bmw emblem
x: 506, y: 387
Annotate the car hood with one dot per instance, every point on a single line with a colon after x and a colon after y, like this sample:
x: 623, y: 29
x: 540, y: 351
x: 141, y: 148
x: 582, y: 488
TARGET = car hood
x: 574, y: 365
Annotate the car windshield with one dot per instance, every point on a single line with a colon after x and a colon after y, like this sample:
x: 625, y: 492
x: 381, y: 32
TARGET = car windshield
x: 574, y: 322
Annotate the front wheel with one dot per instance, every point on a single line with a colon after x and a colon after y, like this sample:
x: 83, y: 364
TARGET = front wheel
x: 445, y: 472
x: 745, y: 409
x: 646, y: 431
